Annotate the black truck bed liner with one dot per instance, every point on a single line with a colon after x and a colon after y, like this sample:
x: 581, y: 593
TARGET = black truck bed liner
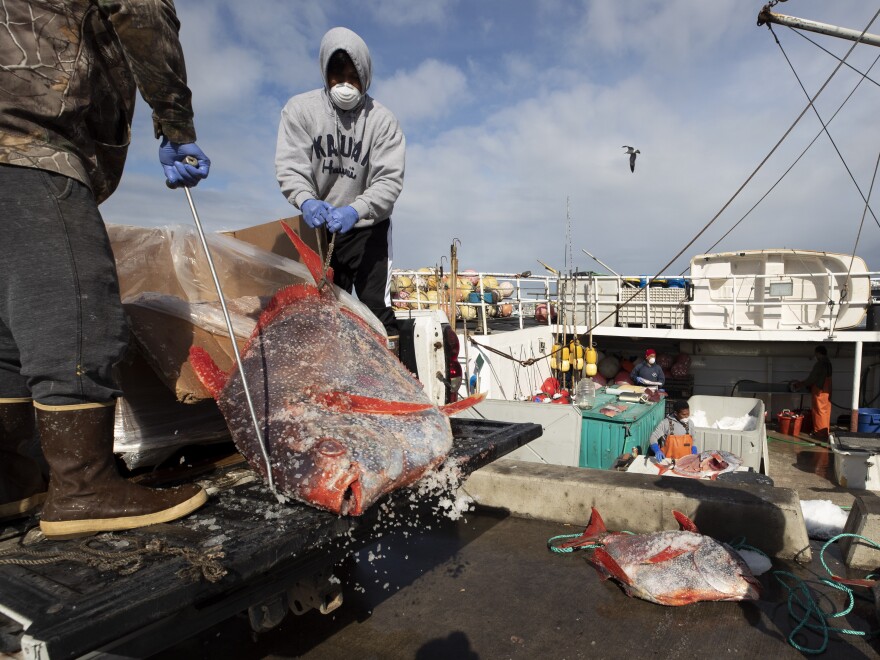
x: 241, y: 548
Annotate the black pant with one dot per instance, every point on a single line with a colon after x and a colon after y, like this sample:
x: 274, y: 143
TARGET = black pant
x: 362, y: 260
x: 62, y: 327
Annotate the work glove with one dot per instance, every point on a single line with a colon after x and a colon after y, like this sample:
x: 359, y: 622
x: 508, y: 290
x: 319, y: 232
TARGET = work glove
x: 172, y: 155
x: 658, y: 454
x: 315, y: 212
x: 342, y: 219
x: 694, y: 449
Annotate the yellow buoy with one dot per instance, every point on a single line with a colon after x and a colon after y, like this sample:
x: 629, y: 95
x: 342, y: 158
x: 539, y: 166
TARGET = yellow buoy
x: 592, y: 356
x: 591, y: 369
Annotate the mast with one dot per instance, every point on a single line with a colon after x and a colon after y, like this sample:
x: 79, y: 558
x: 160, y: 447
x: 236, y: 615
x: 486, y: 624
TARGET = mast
x: 767, y: 16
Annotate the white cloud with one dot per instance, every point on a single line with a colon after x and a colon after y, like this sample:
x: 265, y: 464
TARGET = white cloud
x: 427, y: 92
x: 407, y: 12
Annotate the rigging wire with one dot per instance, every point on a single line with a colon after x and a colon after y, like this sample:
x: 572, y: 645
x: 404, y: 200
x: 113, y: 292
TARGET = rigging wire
x: 819, y: 117
x: 749, y: 178
x: 821, y: 47
x: 795, y: 162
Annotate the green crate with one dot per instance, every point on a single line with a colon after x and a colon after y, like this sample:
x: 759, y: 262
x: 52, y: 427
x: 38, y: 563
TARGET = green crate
x: 604, y: 438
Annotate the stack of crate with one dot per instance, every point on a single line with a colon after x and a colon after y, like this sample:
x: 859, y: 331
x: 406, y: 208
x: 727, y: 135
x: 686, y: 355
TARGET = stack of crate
x: 667, y: 308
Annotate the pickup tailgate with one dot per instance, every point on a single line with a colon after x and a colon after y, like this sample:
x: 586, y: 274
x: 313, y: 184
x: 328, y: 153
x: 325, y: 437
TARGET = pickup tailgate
x: 137, y: 592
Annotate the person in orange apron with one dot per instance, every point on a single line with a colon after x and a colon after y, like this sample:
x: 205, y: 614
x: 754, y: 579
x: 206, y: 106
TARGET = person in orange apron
x: 819, y: 382
x: 673, y: 437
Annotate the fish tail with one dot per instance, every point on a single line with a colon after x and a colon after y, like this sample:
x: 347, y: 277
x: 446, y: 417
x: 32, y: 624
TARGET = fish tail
x: 464, y: 404
x: 309, y: 256
x: 211, y: 376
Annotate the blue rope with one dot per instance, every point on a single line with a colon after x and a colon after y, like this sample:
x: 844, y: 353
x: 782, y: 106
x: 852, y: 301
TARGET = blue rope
x: 586, y: 546
x: 799, y: 596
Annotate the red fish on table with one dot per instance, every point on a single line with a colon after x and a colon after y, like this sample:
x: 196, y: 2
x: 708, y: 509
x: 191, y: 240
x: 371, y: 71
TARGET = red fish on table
x: 344, y: 422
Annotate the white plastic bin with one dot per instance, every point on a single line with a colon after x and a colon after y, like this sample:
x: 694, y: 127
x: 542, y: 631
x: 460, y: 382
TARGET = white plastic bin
x: 748, y: 445
x: 856, y: 460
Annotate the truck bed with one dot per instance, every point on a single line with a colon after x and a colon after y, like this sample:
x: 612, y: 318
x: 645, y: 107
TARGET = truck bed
x: 135, y: 593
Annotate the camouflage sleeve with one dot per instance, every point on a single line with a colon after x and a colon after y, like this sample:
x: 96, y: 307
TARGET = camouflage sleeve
x: 148, y: 32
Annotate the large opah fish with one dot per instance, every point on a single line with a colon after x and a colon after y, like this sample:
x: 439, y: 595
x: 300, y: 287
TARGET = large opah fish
x: 669, y: 568
x: 343, y: 420
x: 705, y: 465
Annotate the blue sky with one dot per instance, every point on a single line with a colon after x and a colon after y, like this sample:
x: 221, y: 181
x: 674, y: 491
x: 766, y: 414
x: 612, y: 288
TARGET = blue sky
x: 510, y: 108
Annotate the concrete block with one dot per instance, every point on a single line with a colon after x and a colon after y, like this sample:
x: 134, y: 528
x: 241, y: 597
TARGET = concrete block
x: 864, y: 520
x: 766, y: 517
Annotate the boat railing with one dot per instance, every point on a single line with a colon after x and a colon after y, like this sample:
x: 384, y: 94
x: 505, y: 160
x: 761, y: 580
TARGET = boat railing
x: 591, y: 299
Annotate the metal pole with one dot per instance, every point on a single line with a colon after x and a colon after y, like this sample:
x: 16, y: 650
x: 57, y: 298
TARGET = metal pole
x: 857, y: 373
x: 767, y: 16
x: 244, y: 384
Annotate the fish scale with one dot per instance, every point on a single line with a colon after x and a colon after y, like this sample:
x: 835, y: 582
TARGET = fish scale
x: 344, y: 421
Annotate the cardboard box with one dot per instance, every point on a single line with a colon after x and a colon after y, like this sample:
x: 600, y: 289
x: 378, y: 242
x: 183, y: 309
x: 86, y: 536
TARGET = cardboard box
x: 168, y: 291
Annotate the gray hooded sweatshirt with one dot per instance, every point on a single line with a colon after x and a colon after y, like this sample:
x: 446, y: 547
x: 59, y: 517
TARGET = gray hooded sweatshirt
x: 344, y: 157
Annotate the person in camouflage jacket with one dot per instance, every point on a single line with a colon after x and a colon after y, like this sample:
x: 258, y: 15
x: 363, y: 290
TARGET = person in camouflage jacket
x: 69, y: 74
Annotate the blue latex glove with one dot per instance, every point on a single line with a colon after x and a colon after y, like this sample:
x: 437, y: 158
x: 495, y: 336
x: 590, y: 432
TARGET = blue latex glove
x: 659, y: 455
x: 694, y: 449
x: 178, y: 172
x: 342, y: 219
x: 316, y: 212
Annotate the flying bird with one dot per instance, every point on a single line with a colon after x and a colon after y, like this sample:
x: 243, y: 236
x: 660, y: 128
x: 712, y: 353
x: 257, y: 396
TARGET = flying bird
x: 632, y: 157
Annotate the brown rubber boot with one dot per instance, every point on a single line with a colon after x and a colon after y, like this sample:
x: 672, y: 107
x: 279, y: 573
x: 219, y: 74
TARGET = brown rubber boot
x: 86, y: 493
x: 22, y: 485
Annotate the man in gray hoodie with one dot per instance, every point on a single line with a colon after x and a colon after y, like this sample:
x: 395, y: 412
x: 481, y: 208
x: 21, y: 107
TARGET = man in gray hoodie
x: 340, y: 160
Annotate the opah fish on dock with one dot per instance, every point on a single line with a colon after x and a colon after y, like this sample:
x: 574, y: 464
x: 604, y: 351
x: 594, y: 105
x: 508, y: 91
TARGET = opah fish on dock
x: 669, y: 568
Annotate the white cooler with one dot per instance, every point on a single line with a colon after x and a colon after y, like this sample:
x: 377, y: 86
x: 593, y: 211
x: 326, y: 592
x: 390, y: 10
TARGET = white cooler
x: 856, y: 460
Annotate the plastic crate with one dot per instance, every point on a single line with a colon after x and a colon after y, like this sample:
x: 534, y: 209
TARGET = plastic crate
x: 856, y: 460
x: 667, y: 308
x: 748, y: 445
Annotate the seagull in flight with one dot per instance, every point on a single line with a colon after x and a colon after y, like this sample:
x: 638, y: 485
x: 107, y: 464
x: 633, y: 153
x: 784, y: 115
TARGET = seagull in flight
x: 632, y: 157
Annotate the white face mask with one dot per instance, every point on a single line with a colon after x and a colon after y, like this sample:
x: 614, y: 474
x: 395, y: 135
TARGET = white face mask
x: 684, y: 420
x: 345, y: 96
x: 651, y: 360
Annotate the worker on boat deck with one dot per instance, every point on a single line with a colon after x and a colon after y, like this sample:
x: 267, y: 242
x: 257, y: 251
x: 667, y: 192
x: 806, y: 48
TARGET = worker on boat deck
x: 819, y: 382
x: 69, y: 74
x: 673, y: 437
x: 648, y: 372
x: 340, y: 160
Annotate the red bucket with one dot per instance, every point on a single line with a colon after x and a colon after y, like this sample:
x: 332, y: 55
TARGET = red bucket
x: 789, y: 422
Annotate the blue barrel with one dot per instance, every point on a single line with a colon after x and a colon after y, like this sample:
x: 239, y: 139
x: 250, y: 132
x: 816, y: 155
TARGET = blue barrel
x: 869, y: 420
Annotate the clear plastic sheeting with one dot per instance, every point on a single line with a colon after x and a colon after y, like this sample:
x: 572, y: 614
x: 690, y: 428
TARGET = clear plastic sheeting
x: 172, y: 304
x: 151, y: 424
x: 170, y: 261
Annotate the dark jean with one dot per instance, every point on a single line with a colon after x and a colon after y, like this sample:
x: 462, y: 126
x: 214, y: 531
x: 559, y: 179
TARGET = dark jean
x: 62, y: 327
x: 361, y: 261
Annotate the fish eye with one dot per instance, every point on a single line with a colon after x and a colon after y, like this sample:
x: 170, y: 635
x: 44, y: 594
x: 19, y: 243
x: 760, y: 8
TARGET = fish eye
x: 330, y: 447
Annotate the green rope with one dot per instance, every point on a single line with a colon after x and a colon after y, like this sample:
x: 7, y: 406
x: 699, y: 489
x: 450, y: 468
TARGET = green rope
x: 586, y: 546
x: 799, y: 596
x: 773, y: 438
x: 561, y: 551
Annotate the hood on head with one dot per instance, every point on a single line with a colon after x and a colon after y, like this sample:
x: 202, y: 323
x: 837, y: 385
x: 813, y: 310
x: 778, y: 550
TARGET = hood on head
x: 340, y: 38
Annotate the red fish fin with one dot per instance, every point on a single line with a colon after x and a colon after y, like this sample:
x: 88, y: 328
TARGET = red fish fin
x: 309, y: 256
x: 366, y: 326
x: 608, y: 566
x: 356, y: 403
x: 596, y: 526
x: 464, y: 404
x: 212, y: 377
x: 685, y: 523
x: 665, y: 555
x: 662, y: 469
x: 595, y: 530
x: 868, y: 584
x: 284, y: 297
